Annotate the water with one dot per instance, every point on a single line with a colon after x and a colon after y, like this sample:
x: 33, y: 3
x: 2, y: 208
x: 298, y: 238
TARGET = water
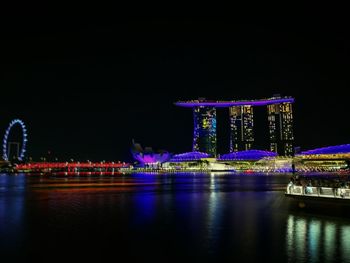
x: 174, y: 218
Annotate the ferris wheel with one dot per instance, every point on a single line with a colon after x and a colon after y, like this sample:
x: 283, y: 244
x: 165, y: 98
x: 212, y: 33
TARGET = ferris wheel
x: 5, y: 147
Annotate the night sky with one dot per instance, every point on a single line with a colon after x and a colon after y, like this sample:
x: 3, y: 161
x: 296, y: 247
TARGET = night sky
x: 86, y: 88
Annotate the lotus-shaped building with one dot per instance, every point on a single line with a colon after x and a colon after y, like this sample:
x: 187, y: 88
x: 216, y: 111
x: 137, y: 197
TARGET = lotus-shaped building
x: 147, y: 156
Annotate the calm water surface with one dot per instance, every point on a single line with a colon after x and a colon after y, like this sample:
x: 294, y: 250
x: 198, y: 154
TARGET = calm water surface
x: 202, y: 217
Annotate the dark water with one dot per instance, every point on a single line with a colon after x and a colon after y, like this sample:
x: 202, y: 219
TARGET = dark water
x: 174, y: 218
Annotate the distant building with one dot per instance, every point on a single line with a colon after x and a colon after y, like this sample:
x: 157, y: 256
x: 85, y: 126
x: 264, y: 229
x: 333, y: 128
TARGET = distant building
x: 204, y: 132
x: 247, y: 155
x: 147, y: 156
x: 241, y: 117
x: 241, y: 125
x: 280, y: 118
x: 330, y: 150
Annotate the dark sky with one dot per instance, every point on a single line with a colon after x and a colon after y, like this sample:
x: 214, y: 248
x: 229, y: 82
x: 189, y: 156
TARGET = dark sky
x: 85, y: 88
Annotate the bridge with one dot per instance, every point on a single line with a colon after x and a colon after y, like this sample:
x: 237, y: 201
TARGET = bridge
x: 70, y: 167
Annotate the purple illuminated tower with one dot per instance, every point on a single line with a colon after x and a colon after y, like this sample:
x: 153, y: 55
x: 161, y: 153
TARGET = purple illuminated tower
x: 280, y: 123
x: 204, y: 132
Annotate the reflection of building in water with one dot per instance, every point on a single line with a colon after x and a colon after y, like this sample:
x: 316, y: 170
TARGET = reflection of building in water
x: 12, y: 209
x: 345, y: 240
x: 317, y: 240
x: 146, y: 208
x: 213, y: 217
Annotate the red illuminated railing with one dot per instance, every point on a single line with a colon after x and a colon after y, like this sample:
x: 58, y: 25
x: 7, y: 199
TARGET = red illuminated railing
x: 71, y: 166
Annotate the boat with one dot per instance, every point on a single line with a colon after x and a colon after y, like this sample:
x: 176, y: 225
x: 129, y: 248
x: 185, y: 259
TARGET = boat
x: 324, y: 199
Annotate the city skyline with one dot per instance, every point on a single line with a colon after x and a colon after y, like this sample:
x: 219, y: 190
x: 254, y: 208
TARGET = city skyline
x: 85, y: 91
x: 172, y: 138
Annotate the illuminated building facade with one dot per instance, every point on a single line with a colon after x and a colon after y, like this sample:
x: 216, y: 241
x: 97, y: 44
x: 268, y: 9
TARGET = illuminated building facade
x: 204, y: 132
x: 280, y: 124
x: 247, y: 155
x: 280, y: 119
x: 331, y: 150
x: 241, y: 128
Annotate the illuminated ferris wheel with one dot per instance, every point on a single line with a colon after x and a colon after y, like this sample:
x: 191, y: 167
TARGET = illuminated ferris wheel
x: 5, y: 144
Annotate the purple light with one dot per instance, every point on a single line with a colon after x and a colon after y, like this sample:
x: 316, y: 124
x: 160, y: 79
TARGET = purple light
x: 147, y: 158
x: 247, y: 155
x: 344, y: 148
x: 189, y: 156
x: 224, y: 104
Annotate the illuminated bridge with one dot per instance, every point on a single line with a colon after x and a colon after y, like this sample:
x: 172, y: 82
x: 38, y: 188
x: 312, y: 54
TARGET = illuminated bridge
x: 241, y: 117
x: 70, y: 167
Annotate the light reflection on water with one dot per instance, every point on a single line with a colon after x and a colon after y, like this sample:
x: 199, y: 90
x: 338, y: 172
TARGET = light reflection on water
x: 204, y: 217
x: 12, y: 209
x: 312, y: 239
